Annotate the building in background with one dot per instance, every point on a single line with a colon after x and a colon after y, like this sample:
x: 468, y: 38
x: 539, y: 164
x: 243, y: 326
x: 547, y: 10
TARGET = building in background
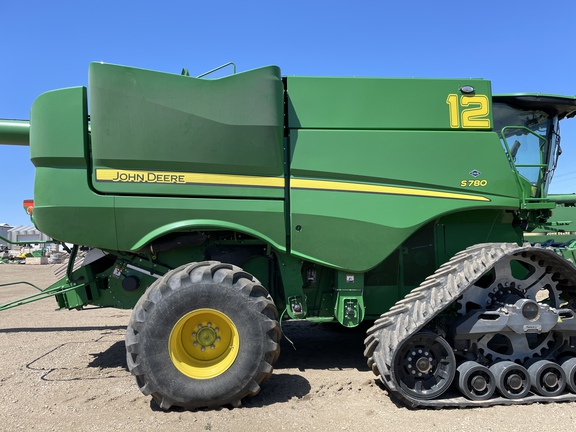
x: 4, y: 228
x: 25, y: 245
x: 24, y: 233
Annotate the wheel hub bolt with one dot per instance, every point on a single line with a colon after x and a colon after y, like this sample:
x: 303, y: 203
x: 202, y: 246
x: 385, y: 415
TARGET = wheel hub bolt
x: 206, y: 336
x: 550, y: 379
x: 515, y: 382
x: 423, y: 365
x: 479, y: 383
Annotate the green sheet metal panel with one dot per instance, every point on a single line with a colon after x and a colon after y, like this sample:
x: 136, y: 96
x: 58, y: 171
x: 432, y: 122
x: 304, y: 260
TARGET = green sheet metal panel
x: 155, y: 133
x: 368, y: 191
x: 388, y: 103
x: 457, y: 231
x: 66, y: 208
x: 263, y: 219
x: 444, y: 160
x: 59, y: 129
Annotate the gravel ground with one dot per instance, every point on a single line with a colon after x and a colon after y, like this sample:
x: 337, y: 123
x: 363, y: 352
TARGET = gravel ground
x: 65, y: 370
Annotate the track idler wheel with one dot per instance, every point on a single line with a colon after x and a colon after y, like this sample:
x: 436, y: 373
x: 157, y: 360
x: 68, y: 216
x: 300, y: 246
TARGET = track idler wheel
x: 512, y: 380
x: 548, y: 378
x: 424, y: 366
x: 475, y: 381
x: 568, y: 365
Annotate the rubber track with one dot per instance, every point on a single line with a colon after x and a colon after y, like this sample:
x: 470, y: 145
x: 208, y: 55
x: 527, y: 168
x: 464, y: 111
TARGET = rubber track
x: 437, y: 292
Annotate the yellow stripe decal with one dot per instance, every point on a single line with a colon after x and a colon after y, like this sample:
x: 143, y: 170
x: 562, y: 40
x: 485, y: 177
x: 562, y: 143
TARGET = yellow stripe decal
x: 134, y: 176
x: 388, y: 190
x: 163, y: 177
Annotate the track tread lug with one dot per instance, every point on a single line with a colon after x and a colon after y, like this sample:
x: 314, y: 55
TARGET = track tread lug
x: 435, y: 293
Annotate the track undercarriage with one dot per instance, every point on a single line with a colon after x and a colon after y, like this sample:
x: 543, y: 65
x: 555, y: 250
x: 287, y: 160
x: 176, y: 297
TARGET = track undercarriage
x: 494, y: 325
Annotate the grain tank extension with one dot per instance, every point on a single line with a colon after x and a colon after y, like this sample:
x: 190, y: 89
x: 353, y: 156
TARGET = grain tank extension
x: 213, y: 207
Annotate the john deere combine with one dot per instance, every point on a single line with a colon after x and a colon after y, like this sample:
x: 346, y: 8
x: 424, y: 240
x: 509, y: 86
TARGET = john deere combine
x: 216, y: 208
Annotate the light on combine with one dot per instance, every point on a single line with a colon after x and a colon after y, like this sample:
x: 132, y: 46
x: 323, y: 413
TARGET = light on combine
x: 29, y: 206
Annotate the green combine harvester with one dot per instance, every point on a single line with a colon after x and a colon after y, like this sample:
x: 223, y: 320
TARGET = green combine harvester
x: 217, y: 208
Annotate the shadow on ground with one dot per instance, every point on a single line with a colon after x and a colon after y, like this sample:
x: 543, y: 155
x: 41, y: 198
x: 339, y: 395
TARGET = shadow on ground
x: 305, y: 346
x: 113, y: 357
x: 322, y: 346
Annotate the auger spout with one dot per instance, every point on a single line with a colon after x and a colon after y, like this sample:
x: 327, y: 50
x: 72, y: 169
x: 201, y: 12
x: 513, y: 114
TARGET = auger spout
x: 15, y: 132
x: 563, y: 198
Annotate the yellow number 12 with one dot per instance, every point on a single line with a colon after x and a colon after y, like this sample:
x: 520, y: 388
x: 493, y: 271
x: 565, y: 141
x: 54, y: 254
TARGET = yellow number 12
x: 469, y: 112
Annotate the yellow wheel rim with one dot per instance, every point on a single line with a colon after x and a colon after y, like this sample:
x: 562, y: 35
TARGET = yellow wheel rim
x: 203, y: 344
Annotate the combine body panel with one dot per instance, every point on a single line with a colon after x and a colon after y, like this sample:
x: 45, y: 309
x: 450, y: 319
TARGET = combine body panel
x: 212, y: 207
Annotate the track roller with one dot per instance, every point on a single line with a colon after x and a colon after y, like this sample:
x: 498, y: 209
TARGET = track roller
x: 568, y: 365
x: 512, y: 380
x: 475, y: 381
x: 547, y: 378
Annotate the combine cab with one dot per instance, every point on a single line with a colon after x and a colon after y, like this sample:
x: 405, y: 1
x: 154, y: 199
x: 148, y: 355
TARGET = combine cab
x: 216, y: 208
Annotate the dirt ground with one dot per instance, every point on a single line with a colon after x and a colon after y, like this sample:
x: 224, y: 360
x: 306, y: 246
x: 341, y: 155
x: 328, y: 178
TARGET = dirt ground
x: 66, y: 370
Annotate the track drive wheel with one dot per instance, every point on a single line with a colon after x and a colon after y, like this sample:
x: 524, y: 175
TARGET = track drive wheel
x: 204, y: 335
x: 424, y: 366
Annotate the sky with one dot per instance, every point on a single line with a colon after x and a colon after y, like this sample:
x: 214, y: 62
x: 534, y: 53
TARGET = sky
x: 521, y: 46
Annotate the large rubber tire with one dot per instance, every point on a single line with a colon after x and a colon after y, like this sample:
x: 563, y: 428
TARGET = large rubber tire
x: 191, y: 304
